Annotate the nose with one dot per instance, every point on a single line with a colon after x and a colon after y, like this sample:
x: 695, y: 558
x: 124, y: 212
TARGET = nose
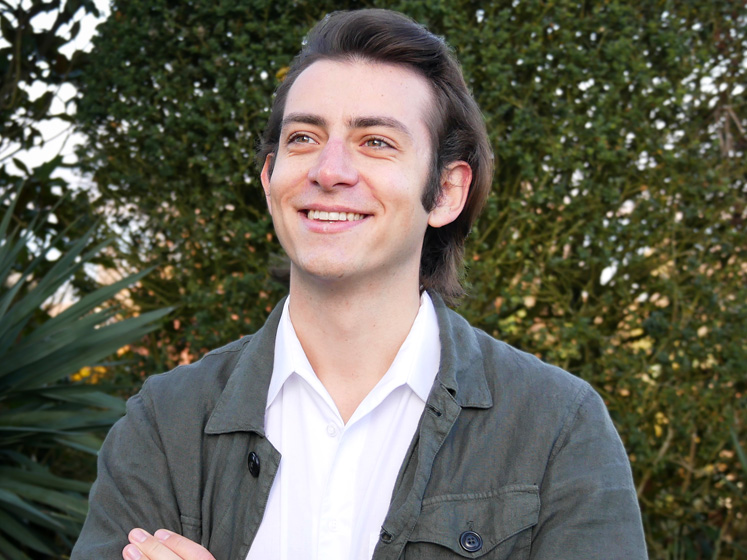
x: 334, y: 166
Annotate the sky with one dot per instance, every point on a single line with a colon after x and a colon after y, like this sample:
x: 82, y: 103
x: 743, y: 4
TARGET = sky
x: 59, y: 138
x: 57, y: 134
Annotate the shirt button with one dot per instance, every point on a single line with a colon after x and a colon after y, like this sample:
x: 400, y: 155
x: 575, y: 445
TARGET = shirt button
x: 331, y: 430
x: 253, y: 462
x: 470, y: 541
x: 333, y: 525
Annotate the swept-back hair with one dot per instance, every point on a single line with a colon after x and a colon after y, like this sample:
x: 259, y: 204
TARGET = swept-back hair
x: 456, y: 125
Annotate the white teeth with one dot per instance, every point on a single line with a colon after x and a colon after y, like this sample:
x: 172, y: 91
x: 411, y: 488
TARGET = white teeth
x: 334, y: 216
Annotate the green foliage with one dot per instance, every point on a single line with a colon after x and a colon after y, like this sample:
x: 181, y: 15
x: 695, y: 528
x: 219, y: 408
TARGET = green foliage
x: 44, y: 418
x: 612, y: 157
x: 613, y: 243
x: 175, y: 136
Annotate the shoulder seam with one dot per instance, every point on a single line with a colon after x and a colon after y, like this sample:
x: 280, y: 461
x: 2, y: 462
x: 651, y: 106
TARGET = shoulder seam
x: 582, y: 394
x: 230, y: 348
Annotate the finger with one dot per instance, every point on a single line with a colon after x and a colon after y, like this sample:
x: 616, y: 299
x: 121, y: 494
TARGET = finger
x: 144, y: 546
x: 131, y: 552
x: 182, y: 546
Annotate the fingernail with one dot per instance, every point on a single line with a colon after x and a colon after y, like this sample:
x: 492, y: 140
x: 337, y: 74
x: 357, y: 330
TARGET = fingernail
x: 131, y: 552
x: 138, y: 535
x: 162, y: 534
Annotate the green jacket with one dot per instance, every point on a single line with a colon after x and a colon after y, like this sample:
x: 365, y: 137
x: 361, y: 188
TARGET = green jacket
x: 513, y: 459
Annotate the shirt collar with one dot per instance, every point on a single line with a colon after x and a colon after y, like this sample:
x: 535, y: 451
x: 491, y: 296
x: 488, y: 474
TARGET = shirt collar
x: 289, y: 355
x: 415, y: 364
x: 461, y: 376
x: 418, y: 358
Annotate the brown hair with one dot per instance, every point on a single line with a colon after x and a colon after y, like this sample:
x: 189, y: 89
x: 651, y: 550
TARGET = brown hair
x: 456, y: 125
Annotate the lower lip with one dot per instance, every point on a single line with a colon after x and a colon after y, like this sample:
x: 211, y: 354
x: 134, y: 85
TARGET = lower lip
x: 321, y: 226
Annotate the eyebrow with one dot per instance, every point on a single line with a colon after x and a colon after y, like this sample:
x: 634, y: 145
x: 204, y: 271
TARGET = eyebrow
x: 303, y: 118
x: 358, y: 122
x: 388, y: 122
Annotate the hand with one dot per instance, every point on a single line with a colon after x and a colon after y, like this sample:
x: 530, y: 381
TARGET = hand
x: 164, y: 545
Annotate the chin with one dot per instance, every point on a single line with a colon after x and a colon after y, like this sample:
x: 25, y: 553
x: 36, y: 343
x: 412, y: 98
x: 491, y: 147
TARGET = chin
x: 321, y: 270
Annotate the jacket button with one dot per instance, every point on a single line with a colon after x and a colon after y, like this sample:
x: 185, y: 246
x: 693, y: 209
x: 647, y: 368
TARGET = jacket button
x: 470, y: 541
x: 253, y: 464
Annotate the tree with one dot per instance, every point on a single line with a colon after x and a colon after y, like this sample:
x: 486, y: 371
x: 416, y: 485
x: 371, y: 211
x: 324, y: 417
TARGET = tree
x: 613, y: 242
x: 38, y: 67
x: 179, y: 147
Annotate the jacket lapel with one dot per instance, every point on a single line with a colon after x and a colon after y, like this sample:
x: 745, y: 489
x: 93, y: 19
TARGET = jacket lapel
x: 238, y: 422
x: 241, y: 407
x: 460, y: 383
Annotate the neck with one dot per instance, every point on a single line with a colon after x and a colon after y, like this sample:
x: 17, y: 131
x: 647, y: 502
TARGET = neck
x: 351, y: 334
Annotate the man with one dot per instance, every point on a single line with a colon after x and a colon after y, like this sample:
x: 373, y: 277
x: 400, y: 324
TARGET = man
x: 366, y: 419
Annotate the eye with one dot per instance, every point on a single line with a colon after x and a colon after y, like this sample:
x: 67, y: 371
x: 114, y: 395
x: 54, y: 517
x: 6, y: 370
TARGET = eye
x: 377, y: 143
x: 300, y: 138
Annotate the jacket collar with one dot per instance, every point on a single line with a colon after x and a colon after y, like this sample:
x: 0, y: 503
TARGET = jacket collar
x: 241, y: 406
x: 462, y: 369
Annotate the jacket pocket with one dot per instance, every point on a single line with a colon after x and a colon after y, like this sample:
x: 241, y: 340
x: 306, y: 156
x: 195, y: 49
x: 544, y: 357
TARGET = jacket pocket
x: 491, y: 525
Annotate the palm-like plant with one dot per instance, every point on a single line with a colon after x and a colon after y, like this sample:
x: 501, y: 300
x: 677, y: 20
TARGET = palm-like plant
x: 41, y: 410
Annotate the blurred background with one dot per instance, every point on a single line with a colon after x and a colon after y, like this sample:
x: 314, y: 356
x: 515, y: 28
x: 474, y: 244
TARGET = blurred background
x: 135, y: 235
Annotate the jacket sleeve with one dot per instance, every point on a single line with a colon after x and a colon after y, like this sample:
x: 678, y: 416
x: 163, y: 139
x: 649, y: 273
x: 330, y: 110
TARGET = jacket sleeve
x: 133, y: 486
x: 589, y: 507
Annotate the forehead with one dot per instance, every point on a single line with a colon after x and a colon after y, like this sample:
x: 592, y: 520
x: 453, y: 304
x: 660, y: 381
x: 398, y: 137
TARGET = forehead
x: 344, y: 90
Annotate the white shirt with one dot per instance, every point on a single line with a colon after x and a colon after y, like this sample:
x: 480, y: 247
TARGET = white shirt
x: 332, y: 489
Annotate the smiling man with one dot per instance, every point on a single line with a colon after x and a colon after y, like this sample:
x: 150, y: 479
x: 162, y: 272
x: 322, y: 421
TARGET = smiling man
x: 366, y: 419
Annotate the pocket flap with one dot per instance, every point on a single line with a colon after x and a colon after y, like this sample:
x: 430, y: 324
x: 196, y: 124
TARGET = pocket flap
x: 494, y: 516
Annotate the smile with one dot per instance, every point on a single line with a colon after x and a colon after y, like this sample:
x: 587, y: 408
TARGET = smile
x: 334, y: 216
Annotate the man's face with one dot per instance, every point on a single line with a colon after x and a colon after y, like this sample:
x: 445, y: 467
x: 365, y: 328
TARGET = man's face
x: 352, y: 162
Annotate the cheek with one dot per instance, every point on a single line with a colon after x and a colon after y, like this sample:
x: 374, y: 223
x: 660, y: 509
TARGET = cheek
x: 277, y: 191
x: 285, y: 176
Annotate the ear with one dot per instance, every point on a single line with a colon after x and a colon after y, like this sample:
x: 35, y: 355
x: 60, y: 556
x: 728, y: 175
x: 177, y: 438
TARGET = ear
x: 455, y: 181
x: 265, y: 178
